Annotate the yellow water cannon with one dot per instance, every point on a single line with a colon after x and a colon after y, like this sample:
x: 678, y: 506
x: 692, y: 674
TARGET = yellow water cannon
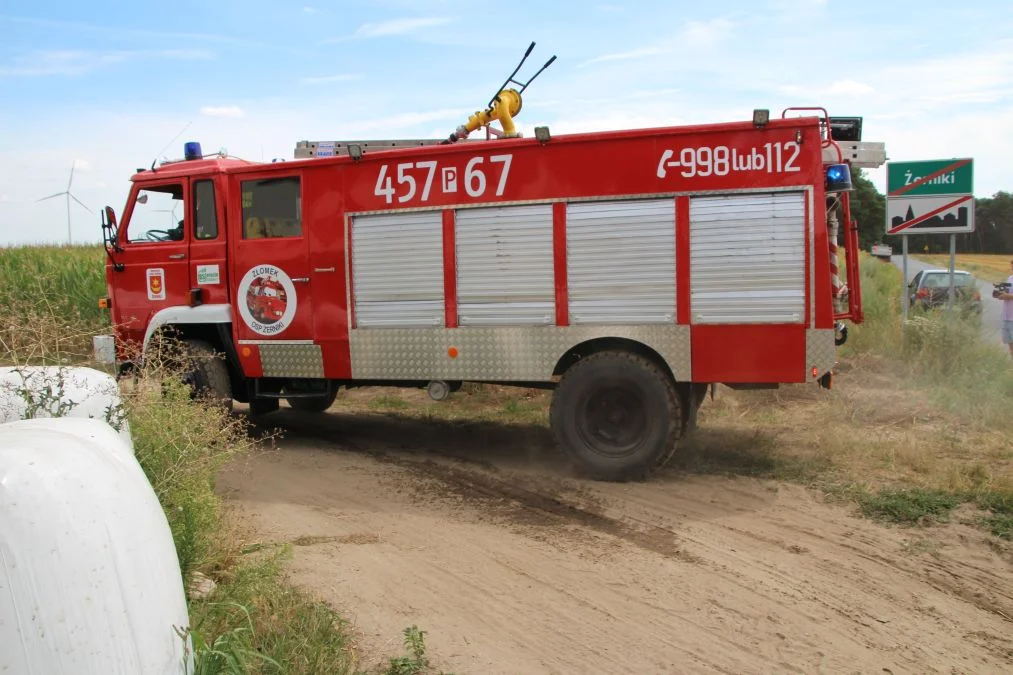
x: 503, y: 107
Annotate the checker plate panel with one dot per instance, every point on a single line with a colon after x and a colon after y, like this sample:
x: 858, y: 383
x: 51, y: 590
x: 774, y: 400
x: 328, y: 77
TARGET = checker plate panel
x: 279, y: 360
x: 497, y: 354
x: 820, y: 350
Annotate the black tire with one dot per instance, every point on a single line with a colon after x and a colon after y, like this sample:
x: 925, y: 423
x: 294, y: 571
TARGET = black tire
x: 617, y: 415
x: 314, y: 404
x: 207, y: 373
x: 262, y: 406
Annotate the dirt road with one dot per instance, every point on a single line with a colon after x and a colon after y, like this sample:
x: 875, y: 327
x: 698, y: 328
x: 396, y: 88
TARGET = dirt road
x: 478, y: 535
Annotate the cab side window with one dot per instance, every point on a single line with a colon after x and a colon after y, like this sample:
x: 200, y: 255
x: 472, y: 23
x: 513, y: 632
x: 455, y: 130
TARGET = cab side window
x: 272, y: 208
x: 205, y: 217
x: 157, y: 215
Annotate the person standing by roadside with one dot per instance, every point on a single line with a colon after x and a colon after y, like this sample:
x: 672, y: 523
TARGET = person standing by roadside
x: 1007, y: 312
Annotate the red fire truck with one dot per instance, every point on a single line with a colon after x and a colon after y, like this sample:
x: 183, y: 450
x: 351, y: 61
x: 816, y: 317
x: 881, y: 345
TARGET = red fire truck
x: 627, y: 270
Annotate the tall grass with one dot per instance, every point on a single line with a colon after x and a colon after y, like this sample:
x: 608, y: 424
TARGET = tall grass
x: 942, y: 352
x: 253, y: 622
x: 940, y: 356
x: 71, y: 278
x: 880, y: 333
x: 181, y: 445
x: 49, y: 296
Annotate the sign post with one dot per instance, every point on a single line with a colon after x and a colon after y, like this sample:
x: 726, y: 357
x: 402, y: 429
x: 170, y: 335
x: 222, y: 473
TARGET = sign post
x: 953, y: 260
x: 907, y: 299
x: 930, y: 197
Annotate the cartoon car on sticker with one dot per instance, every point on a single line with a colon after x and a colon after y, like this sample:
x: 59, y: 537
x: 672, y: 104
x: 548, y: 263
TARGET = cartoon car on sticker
x: 266, y: 299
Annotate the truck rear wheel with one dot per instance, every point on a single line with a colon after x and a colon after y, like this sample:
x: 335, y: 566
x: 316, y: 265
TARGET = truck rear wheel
x: 207, y: 373
x: 617, y: 415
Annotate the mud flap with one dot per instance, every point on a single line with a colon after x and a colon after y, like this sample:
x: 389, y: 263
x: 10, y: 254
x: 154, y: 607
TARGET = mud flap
x: 691, y: 415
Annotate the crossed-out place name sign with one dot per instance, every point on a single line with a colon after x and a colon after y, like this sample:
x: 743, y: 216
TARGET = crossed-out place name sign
x: 933, y: 196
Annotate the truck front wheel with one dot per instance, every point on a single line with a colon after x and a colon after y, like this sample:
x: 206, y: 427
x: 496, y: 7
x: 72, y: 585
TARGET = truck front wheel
x: 207, y: 374
x: 617, y: 415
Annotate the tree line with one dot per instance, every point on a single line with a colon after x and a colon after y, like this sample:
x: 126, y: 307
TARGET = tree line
x: 993, y: 223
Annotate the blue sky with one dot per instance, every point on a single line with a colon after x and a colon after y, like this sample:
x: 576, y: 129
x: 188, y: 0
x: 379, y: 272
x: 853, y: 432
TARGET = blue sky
x: 106, y: 86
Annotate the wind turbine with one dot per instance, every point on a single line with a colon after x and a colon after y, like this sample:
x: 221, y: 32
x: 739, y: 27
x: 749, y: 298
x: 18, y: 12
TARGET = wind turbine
x: 172, y: 213
x: 69, y: 197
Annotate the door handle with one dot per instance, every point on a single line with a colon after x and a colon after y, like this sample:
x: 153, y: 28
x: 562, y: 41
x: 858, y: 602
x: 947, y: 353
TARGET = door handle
x: 300, y: 280
x: 177, y: 256
x: 323, y: 269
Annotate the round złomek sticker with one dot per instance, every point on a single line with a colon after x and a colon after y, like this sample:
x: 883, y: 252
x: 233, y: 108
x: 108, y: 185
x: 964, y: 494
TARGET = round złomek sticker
x: 267, y: 299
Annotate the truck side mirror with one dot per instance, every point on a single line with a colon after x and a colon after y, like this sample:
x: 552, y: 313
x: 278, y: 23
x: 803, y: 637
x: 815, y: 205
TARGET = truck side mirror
x: 110, y: 217
x: 110, y: 231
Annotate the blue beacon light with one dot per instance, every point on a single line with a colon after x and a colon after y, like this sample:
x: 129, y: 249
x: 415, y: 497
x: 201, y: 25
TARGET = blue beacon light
x: 191, y: 150
x: 839, y: 178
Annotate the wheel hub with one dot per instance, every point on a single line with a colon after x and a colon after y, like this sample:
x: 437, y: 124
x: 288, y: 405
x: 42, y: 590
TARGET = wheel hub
x: 613, y: 421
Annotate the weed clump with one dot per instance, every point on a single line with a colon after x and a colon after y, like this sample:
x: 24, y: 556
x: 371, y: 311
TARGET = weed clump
x: 909, y: 506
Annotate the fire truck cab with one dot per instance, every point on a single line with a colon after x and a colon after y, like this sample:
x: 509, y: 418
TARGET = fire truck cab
x: 627, y: 270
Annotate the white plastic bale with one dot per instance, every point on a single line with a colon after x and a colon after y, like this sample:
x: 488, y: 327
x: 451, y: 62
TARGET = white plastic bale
x: 83, y: 428
x: 61, y: 391
x: 89, y: 578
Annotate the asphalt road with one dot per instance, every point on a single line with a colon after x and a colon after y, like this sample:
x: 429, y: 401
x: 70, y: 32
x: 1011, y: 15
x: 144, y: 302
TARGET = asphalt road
x: 991, y: 309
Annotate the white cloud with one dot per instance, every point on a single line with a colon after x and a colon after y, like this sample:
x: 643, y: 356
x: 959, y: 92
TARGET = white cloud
x: 222, y: 111
x: 82, y: 165
x: 706, y: 33
x: 653, y: 93
x: 4, y: 199
x: 77, y: 62
x: 970, y: 134
x: 398, y: 26
x: 838, y: 88
x: 798, y: 5
x: 933, y: 87
x: 310, y: 10
x: 323, y: 79
x: 611, y: 122
x: 695, y: 35
x: 393, y: 123
x: 984, y: 76
x: 113, y: 28
x: 848, y: 88
x: 624, y: 56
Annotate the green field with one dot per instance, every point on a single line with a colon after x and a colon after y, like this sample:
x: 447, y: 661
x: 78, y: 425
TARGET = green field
x: 49, y: 297
x: 991, y: 268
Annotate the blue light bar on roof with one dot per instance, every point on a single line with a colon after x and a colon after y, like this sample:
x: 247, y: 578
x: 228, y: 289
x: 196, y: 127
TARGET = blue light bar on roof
x: 191, y: 150
x: 839, y: 178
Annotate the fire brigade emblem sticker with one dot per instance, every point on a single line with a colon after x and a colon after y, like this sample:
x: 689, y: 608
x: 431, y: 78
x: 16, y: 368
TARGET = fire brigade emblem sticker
x: 267, y: 300
x: 156, y: 283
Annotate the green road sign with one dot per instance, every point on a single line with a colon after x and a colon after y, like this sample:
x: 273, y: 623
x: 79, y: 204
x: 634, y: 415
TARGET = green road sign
x: 931, y: 177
